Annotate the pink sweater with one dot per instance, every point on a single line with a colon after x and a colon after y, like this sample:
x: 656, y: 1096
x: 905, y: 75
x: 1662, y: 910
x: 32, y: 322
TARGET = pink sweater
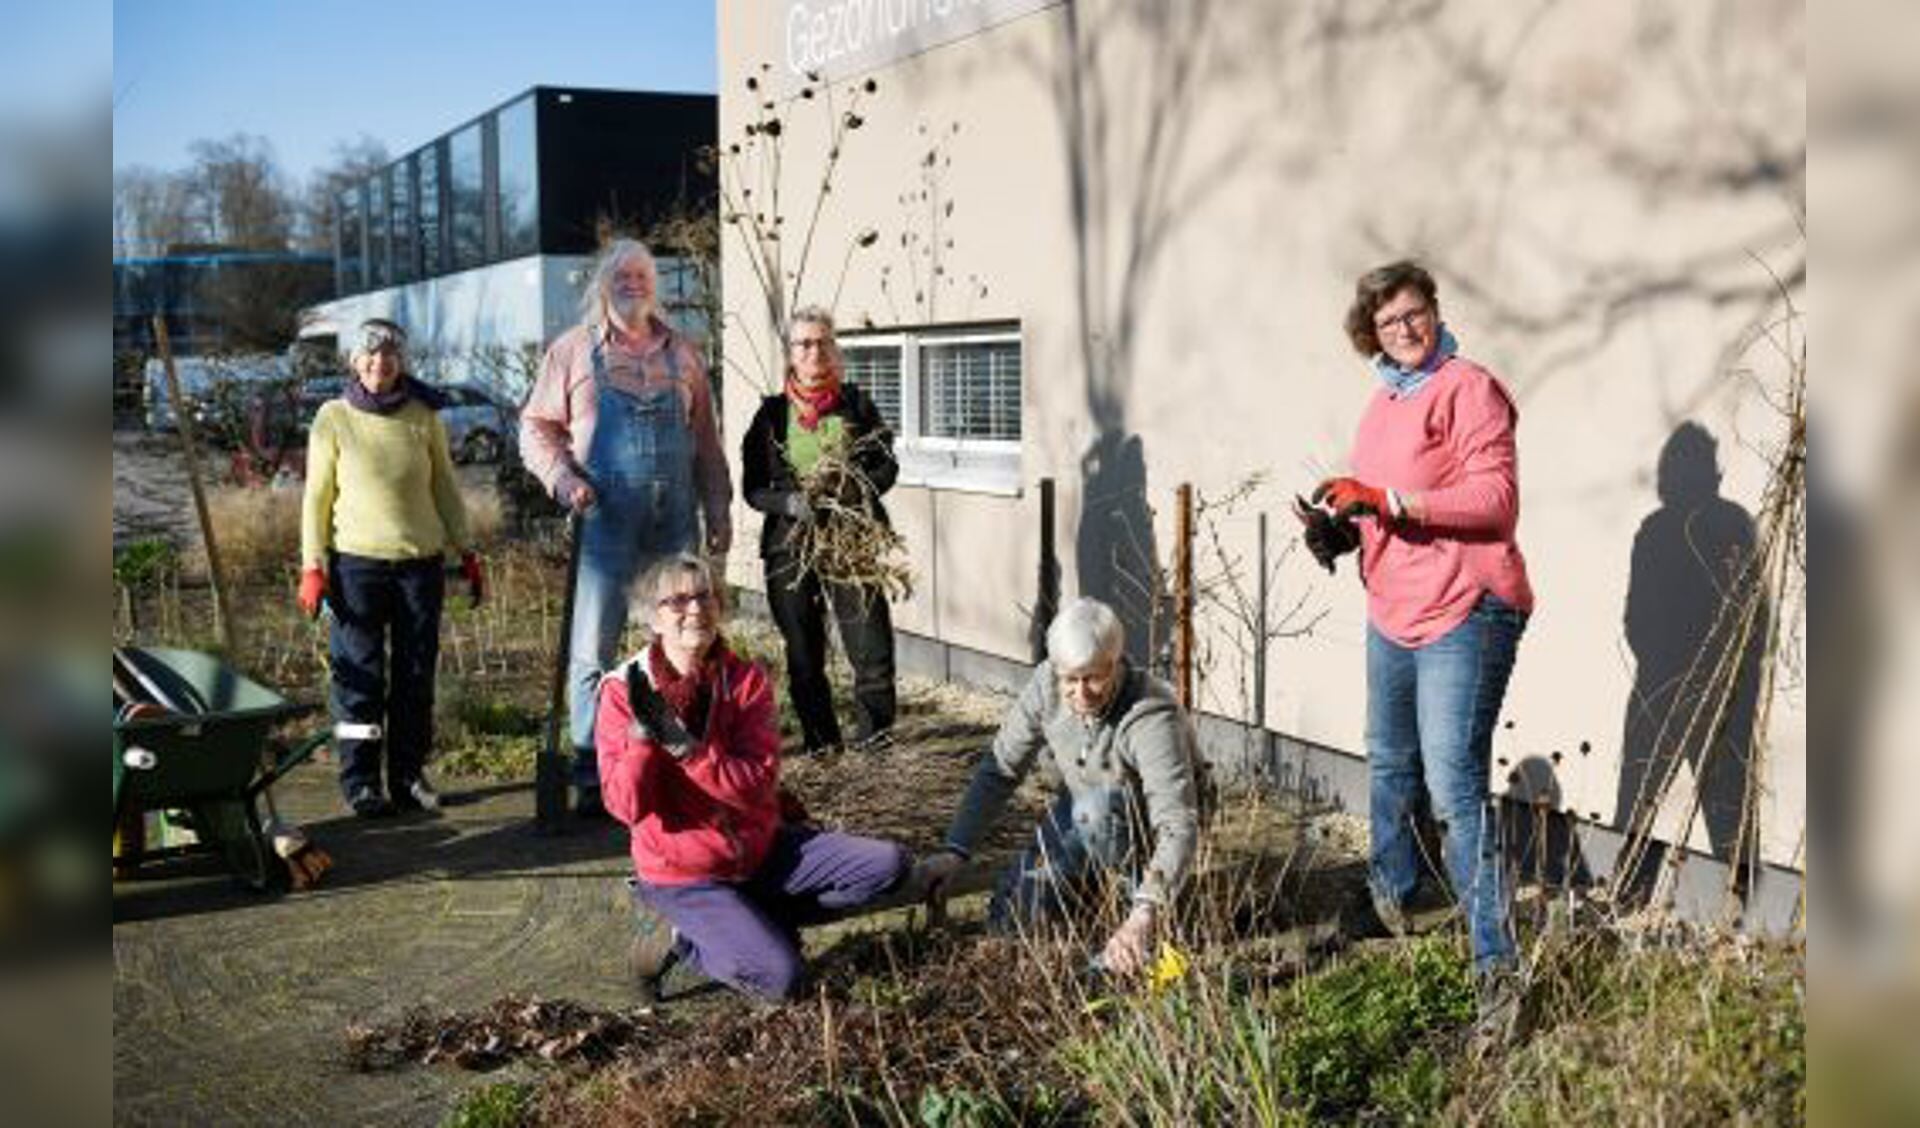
x: 1449, y: 451
x: 556, y: 425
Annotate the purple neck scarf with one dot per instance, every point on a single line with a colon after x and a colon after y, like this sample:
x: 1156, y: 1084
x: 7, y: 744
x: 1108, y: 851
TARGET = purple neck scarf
x: 394, y: 398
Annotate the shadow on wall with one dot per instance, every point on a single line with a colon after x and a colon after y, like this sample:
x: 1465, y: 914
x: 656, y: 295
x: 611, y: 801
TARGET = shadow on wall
x: 1687, y: 562
x: 1132, y: 180
x: 1542, y: 835
x: 1114, y: 551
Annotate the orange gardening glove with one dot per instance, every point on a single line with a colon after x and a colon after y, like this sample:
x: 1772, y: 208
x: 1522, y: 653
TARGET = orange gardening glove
x: 1351, y: 497
x: 476, y: 577
x: 313, y: 585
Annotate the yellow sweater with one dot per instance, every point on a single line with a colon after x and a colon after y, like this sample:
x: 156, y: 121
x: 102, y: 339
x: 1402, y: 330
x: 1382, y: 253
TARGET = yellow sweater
x: 379, y: 486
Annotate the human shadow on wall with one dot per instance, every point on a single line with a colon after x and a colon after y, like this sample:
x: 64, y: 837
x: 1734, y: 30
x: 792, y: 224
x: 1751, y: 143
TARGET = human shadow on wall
x: 1114, y: 548
x: 1688, y: 577
x: 1544, y: 845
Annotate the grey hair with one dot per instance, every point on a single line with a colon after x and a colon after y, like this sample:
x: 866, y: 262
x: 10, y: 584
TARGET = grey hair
x: 655, y: 579
x: 1085, y: 631
x: 393, y: 330
x: 812, y: 315
x: 594, y: 307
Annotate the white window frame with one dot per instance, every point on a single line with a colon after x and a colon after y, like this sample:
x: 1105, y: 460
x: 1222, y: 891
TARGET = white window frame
x: 990, y: 466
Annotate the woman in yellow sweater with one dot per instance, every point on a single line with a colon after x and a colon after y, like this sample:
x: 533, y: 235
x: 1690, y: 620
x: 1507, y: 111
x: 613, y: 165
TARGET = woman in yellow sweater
x: 381, y: 512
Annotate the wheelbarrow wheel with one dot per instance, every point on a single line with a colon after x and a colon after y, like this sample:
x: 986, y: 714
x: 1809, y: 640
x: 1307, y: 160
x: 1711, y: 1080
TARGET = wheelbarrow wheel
x: 236, y: 831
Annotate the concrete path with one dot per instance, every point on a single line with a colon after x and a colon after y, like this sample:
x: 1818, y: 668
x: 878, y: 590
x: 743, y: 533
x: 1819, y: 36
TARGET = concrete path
x: 230, y: 1007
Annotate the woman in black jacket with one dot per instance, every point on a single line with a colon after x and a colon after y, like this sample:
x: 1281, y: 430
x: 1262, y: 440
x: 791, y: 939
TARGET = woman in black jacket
x: 820, y: 427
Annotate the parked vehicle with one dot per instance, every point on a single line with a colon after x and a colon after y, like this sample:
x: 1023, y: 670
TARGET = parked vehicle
x: 480, y: 425
x: 203, y: 380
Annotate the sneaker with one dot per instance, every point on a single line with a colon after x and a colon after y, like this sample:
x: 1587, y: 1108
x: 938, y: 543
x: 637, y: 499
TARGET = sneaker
x: 875, y: 742
x: 1497, y: 995
x: 368, y: 803
x: 655, y: 951
x: 1392, y: 914
x: 417, y: 796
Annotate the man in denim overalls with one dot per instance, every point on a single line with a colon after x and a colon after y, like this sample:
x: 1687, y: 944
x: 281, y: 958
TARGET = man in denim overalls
x: 620, y: 428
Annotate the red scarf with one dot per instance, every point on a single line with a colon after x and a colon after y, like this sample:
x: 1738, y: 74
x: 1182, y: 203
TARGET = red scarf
x: 690, y: 696
x: 813, y: 405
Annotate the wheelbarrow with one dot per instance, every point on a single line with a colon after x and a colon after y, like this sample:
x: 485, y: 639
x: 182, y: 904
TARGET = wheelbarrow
x: 208, y: 751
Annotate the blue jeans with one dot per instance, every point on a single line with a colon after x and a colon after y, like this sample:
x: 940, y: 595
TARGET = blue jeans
x: 1430, y: 717
x: 640, y: 462
x: 384, y: 648
x: 1077, y: 843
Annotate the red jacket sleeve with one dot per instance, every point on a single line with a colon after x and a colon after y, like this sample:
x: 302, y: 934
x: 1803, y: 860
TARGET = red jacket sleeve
x: 738, y: 765
x: 628, y: 761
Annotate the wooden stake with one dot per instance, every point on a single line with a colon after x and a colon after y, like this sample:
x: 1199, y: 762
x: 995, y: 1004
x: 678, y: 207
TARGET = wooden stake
x: 183, y: 419
x: 1260, y: 635
x: 1183, y: 594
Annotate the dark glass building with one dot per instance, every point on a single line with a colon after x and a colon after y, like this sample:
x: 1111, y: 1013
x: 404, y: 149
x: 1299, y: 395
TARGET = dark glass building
x: 201, y: 295
x: 534, y: 176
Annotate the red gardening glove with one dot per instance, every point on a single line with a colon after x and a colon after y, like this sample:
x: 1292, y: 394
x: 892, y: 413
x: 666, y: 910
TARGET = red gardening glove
x: 1351, y: 497
x: 313, y: 586
x: 476, y: 577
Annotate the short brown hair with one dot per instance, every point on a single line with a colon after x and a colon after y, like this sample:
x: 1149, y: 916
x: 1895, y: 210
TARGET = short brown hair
x: 1375, y: 289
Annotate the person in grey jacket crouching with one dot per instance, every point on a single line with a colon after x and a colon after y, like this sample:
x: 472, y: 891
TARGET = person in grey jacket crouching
x: 1125, y: 755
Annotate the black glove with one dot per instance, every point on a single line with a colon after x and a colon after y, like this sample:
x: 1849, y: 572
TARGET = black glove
x: 795, y: 505
x: 1327, y: 537
x: 656, y: 720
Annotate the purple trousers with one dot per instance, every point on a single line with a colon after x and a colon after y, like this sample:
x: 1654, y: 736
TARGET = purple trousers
x: 747, y: 934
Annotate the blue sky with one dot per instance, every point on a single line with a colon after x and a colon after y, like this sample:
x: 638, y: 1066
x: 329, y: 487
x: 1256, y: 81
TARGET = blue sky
x: 309, y: 75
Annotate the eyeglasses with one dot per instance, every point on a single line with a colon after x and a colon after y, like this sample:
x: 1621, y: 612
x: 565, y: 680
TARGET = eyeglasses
x: 681, y: 602
x: 1406, y: 322
x: 803, y: 344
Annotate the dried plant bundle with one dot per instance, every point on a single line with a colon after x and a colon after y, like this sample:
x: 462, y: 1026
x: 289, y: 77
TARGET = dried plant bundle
x: 842, y: 541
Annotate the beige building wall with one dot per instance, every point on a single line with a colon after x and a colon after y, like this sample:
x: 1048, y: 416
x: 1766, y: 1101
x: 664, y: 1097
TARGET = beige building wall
x: 1173, y: 201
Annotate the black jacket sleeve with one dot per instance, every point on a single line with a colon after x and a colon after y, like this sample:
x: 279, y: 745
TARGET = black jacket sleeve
x: 767, y: 480
x: 875, y: 457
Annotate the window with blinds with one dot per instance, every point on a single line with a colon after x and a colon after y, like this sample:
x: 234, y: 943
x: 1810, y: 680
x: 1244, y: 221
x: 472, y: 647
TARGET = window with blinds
x: 972, y: 390
x: 876, y: 368
x: 951, y: 395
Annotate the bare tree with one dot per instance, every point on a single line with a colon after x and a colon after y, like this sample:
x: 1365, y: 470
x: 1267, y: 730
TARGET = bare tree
x: 153, y: 210
x: 258, y: 304
x: 352, y: 161
x: 241, y: 193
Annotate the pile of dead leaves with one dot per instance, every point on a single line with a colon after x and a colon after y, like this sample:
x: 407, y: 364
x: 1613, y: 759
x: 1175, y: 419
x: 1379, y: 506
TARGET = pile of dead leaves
x: 509, y: 1029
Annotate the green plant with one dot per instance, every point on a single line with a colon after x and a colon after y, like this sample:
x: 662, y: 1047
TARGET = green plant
x: 502, y: 1104
x: 1631, y: 1030
x: 965, y: 1108
x: 1353, y: 1025
x: 142, y: 564
x: 1358, y: 1040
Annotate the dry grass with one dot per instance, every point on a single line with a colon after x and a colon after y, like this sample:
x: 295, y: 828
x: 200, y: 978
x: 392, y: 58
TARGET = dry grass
x: 258, y: 529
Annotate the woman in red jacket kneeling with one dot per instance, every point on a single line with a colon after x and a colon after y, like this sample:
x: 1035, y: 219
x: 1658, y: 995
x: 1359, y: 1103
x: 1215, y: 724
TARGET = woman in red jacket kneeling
x: 689, y: 750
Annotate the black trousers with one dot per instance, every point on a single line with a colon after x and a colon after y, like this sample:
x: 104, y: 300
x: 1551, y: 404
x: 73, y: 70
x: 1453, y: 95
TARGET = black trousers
x: 385, y: 646
x: 866, y: 632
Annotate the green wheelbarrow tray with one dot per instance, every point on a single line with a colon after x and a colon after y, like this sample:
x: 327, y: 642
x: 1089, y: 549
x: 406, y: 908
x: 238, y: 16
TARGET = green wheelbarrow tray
x: 212, y: 757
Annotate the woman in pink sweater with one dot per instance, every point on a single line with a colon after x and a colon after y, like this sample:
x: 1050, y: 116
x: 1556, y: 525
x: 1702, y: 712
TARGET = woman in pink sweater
x: 1432, y: 504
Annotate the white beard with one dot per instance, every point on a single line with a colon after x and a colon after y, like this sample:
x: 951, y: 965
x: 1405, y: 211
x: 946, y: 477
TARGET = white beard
x: 631, y: 313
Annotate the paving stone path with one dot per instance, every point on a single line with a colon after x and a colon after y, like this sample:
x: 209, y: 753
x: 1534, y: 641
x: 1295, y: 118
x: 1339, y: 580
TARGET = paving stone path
x: 231, y: 1007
